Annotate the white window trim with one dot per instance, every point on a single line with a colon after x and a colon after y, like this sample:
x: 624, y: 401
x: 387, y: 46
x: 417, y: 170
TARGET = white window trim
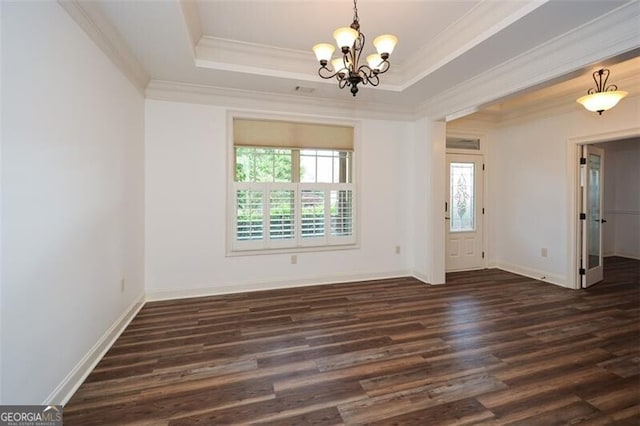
x: 333, y: 243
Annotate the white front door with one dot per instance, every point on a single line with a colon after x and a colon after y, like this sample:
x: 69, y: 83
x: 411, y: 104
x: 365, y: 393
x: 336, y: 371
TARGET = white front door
x: 464, y: 212
x: 592, y: 180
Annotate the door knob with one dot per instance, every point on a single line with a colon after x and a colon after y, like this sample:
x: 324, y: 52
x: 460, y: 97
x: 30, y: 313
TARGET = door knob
x: 447, y: 218
x: 603, y: 220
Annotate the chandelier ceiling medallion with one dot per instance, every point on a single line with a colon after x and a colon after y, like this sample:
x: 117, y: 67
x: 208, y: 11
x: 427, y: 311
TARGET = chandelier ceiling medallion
x: 603, y: 97
x: 346, y: 69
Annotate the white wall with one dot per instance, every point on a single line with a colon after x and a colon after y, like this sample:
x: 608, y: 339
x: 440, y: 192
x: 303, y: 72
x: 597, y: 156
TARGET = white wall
x: 72, y: 198
x: 529, y: 178
x: 609, y: 201
x: 186, y: 181
x: 622, y: 198
x: 427, y: 200
x: 1, y: 138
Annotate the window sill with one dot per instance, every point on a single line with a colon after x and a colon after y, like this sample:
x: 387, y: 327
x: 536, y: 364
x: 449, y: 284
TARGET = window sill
x: 291, y: 250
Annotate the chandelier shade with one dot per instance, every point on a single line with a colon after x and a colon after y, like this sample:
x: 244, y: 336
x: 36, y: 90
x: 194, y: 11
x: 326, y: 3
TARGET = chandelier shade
x: 323, y: 51
x: 602, y: 101
x: 338, y: 65
x: 375, y: 61
x: 345, y: 37
x: 385, y: 43
x: 346, y: 69
x: 603, y: 97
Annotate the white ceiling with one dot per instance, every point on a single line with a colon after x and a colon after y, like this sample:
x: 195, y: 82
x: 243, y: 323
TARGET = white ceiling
x: 299, y: 25
x: 264, y: 46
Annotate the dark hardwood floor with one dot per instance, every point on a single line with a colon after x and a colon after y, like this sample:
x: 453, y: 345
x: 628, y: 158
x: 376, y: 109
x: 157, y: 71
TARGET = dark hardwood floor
x: 489, y: 347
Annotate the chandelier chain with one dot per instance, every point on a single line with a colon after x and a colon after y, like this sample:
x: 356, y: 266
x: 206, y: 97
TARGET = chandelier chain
x: 355, y: 11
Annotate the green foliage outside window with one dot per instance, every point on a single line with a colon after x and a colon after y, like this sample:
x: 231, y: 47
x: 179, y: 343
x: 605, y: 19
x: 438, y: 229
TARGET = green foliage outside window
x: 263, y: 165
x: 275, y: 165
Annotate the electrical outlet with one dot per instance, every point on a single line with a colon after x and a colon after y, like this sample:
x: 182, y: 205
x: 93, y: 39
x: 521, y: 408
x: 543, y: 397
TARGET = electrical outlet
x: 397, y: 249
x: 543, y: 252
x: 294, y: 259
x: 122, y: 285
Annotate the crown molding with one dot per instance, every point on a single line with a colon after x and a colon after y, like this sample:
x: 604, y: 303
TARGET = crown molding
x: 627, y: 133
x: 232, y: 55
x: 89, y: 17
x: 245, y: 99
x: 608, y: 36
x: 484, y: 20
x: 480, y: 122
x: 191, y: 16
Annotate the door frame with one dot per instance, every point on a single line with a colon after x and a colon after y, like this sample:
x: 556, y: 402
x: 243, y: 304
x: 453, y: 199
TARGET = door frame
x: 574, y: 151
x: 484, y: 152
x: 479, y: 208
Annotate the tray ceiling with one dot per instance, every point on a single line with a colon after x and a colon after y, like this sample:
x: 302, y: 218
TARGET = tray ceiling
x: 264, y: 47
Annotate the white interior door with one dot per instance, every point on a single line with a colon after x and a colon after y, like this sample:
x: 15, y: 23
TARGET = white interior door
x: 592, y: 180
x: 464, y: 212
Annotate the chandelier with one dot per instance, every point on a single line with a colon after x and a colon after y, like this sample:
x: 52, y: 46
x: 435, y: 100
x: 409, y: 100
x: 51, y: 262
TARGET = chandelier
x: 346, y: 69
x: 603, y: 97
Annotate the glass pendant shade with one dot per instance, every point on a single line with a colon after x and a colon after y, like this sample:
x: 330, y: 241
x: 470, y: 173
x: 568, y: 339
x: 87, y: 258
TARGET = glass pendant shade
x: 385, y: 43
x: 345, y: 37
x: 323, y: 51
x: 338, y: 65
x: 375, y: 61
x: 602, y: 101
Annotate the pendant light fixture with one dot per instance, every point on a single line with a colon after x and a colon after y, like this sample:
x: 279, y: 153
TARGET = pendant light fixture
x: 603, y: 97
x: 346, y: 68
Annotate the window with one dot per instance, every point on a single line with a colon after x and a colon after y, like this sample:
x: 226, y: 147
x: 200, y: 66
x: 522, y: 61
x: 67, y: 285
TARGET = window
x: 462, y: 176
x: 290, y: 194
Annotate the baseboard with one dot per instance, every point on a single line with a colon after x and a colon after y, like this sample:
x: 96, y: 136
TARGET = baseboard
x: 420, y: 277
x: 65, y: 390
x: 170, y: 294
x: 556, y: 279
x: 634, y: 256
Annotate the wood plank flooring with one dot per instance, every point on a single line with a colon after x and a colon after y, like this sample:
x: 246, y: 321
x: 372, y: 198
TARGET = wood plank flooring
x: 489, y: 348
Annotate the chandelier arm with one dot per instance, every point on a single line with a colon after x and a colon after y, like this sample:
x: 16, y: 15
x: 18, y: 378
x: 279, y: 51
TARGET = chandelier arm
x: 601, y: 86
x: 387, y: 65
x: 358, y: 46
x: 596, y: 75
x: 345, y: 60
x: 368, y: 76
x: 366, y: 71
x: 373, y: 80
x: 364, y: 78
x: 371, y: 72
x: 326, y: 77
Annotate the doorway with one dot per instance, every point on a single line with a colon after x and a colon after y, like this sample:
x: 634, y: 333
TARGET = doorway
x: 607, y: 206
x: 464, y: 212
